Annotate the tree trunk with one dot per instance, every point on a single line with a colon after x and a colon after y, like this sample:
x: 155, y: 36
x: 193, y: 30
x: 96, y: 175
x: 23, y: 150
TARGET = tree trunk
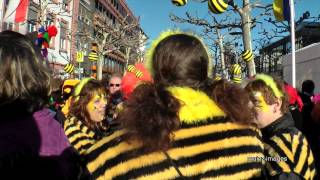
x: 223, y: 66
x: 128, y: 50
x: 100, y: 66
x: 246, y: 24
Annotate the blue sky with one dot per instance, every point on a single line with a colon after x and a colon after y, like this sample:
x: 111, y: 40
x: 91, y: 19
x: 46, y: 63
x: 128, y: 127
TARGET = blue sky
x: 154, y: 13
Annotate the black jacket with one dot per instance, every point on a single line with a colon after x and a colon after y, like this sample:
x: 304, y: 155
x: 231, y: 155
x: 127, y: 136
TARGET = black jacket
x: 287, y: 153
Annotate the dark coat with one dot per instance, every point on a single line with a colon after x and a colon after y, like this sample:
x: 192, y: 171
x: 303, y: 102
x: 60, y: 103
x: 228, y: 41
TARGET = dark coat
x: 34, y: 146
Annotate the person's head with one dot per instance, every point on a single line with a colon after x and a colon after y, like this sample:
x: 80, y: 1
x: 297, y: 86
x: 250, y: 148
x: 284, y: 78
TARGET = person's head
x: 151, y: 114
x: 115, y: 83
x: 308, y: 86
x: 269, y: 98
x: 89, y: 102
x: 23, y: 78
x: 180, y: 60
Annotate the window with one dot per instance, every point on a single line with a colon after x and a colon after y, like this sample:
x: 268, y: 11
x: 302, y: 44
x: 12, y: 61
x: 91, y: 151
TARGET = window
x: 63, y: 35
x: 63, y: 44
x: 65, y: 4
x: 31, y: 27
x: 7, y: 26
x: 49, y: 20
x: 32, y: 18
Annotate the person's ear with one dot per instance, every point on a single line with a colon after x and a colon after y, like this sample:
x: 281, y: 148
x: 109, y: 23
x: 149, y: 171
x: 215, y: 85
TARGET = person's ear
x: 277, y: 106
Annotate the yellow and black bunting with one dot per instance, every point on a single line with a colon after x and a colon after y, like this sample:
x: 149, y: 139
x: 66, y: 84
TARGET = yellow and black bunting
x: 236, y: 69
x: 179, y: 2
x: 217, y: 6
x: 93, y: 56
x: 247, y: 55
x: 68, y: 68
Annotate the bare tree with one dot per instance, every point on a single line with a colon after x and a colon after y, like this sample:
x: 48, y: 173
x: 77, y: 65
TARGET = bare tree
x: 114, y: 36
x: 48, y: 7
x: 244, y: 24
x: 280, y: 29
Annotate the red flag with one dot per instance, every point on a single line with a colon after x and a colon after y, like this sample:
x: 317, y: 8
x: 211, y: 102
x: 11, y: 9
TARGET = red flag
x: 16, y: 11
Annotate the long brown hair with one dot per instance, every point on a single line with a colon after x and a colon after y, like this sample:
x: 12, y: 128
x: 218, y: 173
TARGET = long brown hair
x: 234, y: 101
x: 79, y: 103
x: 23, y: 77
x: 151, y: 114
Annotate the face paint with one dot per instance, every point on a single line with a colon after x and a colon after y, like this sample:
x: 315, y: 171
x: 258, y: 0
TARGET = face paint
x: 262, y: 103
x: 96, y: 107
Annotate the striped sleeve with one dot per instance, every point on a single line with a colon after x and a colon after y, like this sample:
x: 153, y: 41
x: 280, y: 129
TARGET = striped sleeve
x: 286, y: 153
x: 80, y: 137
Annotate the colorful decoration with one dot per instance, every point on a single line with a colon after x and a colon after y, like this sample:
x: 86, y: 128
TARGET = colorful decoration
x: 236, y: 79
x: 135, y: 75
x: 236, y: 73
x: 137, y: 72
x: 217, y: 6
x: 68, y: 68
x: 179, y: 2
x: 247, y: 55
x: 93, y: 56
x: 236, y: 69
x: 281, y: 10
x: 44, y: 37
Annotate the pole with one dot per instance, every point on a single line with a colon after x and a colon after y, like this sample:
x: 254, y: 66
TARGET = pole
x: 1, y: 13
x: 293, y: 43
x: 79, y: 71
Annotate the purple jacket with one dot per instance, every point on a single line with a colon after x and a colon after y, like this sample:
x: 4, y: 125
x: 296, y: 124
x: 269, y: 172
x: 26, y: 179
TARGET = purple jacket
x: 53, y: 139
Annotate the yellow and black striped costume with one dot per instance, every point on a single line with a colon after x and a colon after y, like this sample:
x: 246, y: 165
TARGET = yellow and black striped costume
x: 79, y: 135
x: 206, y: 146
x: 289, y: 145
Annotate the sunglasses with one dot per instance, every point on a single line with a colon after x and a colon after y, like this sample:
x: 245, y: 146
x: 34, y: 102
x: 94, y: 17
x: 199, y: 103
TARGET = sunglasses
x: 116, y: 85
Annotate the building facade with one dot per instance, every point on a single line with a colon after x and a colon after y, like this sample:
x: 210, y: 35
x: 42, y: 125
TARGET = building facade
x: 108, y: 15
x: 48, y: 12
x: 270, y: 58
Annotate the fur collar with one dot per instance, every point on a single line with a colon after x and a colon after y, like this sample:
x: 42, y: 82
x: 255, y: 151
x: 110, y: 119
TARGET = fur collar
x: 196, y: 106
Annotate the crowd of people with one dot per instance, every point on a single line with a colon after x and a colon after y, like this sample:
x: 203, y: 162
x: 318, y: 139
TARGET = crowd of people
x: 165, y: 119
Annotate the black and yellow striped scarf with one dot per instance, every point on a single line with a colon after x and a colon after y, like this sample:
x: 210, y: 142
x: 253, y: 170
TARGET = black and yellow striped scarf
x: 206, y: 146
